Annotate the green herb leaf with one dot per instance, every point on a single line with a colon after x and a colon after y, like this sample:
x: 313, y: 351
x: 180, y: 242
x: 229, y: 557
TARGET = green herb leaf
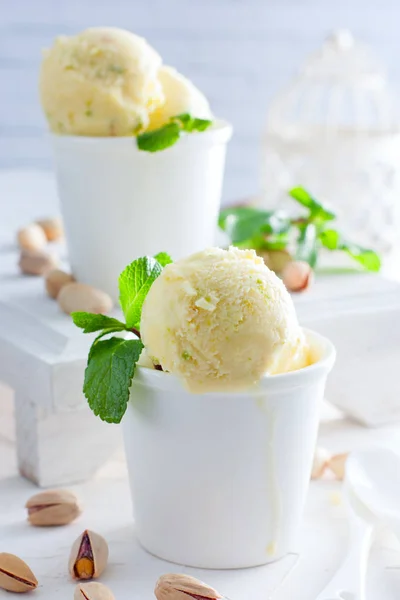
x: 243, y: 223
x: 249, y: 227
x: 189, y: 123
x: 318, y: 212
x: 159, y: 139
x: 134, y: 283
x: 307, y: 244
x: 163, y: 258
x: 332, y: 240
x: 108, y: 377
x: 90, y: 322
x: 169, y: 134
x: 101, y: 335
x: 367, y: 258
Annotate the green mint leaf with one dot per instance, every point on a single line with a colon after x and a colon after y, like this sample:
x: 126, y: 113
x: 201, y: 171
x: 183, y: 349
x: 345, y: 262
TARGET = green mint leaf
x: 302, y: 197
x: 318, y: 212
x: 189, y: 123
x: 167, y: 135
x: 105, y: 332
x: 134, y: 283
x: 307, y: 250
x: 183, y: 120
x: 159, y: 139
x: 366, y: 258
x: 244, y: 222
x: 108, y: 377
x: 163, y: 258
x: 332, y: 240
x: 90, y: 322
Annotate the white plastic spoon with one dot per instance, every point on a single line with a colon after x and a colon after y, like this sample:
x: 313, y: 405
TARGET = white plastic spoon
x: 374, y: 476
x: 372, y: 488
x: 348, y: 583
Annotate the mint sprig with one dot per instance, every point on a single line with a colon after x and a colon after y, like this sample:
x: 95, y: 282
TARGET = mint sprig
x: 108, y: 377
x: 112, y: 362
x: 167, y: 135
x: 250, y: 227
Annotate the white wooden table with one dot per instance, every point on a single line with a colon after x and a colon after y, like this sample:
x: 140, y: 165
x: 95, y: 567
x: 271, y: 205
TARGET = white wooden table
x: 132, y: 572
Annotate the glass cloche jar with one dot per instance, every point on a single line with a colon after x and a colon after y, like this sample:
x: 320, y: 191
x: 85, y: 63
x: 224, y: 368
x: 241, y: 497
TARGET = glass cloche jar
x: 335, y: 131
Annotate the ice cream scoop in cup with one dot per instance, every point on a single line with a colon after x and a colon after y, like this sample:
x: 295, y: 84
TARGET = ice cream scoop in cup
x: 221, y: 319
x: 220, y: 442
x: 100, y: 82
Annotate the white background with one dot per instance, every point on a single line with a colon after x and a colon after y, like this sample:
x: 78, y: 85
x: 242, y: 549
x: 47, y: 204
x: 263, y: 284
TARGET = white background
x: 240, y: 52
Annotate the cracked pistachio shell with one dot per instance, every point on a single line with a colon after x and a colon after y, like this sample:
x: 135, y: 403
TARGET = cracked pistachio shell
x: 95, y: 559
x: 93, y: 591
x: 52, y: 507
x: 15, y: 575
x: 174, y: 586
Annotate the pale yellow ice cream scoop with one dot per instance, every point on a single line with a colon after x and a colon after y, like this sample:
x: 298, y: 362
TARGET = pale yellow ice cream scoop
x: 220, y: 320
x: 180, y: 96
x: 101, y: 82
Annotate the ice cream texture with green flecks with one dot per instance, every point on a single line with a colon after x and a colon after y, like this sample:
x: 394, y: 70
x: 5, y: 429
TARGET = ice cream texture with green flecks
x: 221, y: 320
x: 107, y: 81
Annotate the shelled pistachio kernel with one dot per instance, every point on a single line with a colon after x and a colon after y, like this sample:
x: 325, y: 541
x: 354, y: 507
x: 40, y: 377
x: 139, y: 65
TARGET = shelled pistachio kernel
x: 89, y: 555
x: 52, y: 507
x: 15, y: 575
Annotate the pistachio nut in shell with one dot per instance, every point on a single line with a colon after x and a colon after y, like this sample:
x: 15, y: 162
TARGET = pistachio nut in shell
x: 52, y: 227
x: 297, y: 276
x: 52, y: 507
x: 15, y: 575
x: 175, y: 586
x: 89, y: 555
x: 93, y: 591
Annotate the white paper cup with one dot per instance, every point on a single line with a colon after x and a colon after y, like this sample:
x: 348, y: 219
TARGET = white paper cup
x: 219, y: 480
x: 119, y: 203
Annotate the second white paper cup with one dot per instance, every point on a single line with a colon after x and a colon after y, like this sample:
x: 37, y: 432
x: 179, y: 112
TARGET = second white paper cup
x: 219, y: 480
x: 119, y: 203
